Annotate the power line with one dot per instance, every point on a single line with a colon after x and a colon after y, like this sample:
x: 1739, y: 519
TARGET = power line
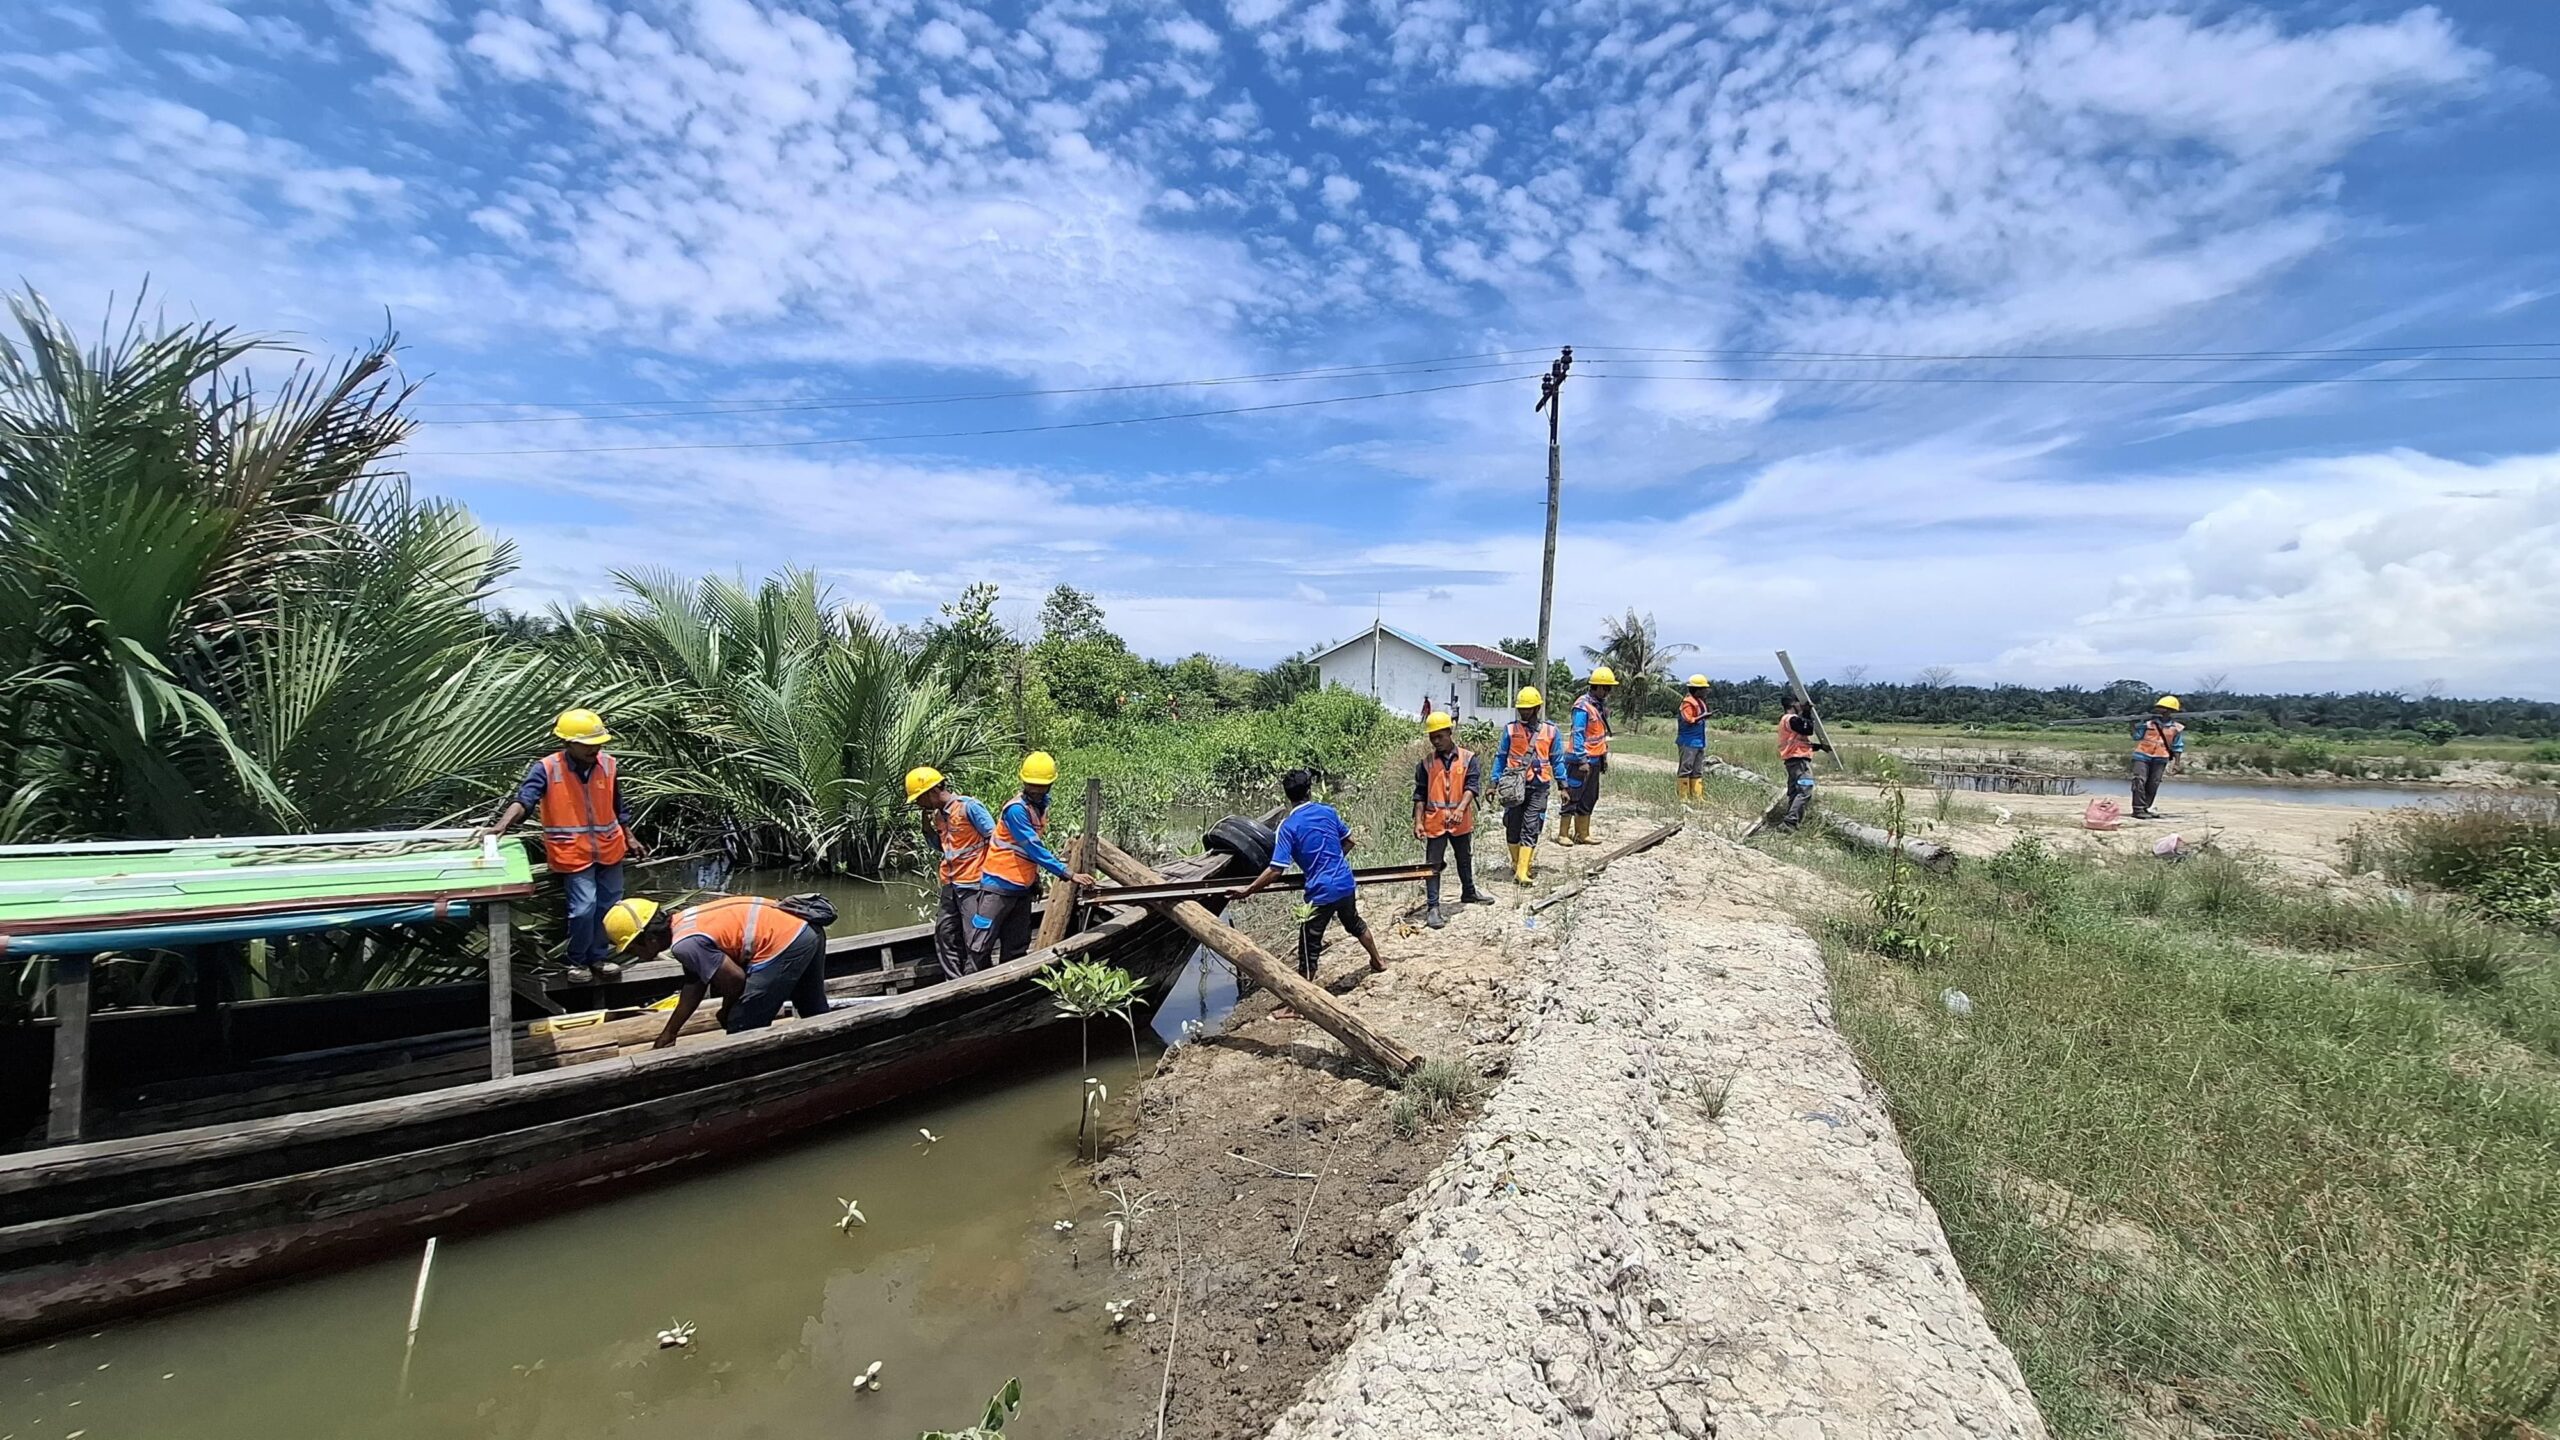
x: 2192, y: 381
x: 972, y: 434
x: 2364, y: 354
x: 740, y: 405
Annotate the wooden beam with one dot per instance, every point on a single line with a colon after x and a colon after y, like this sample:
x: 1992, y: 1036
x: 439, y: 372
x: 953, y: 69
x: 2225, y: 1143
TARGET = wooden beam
x: 1062, y: 893
x: 502, y: 995
x: 70, y: 1050
x: 1223, y: 889
x: 1866, y: 837
x: 1796, y: 683
x: 1283, y: 980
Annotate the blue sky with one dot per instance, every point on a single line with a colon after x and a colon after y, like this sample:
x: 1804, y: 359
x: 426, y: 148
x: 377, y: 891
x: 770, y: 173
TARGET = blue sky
x: 739, y: 220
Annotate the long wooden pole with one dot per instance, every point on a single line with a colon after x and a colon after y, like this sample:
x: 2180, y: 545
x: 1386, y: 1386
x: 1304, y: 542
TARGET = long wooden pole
x: 1063, y: 895
x: 1283, y: 980
x: 70, y: 1049
x: 1796, y: 684
x: 502, y: 995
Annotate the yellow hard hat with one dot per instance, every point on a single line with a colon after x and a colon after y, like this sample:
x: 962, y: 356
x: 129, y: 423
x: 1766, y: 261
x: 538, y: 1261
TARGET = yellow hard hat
x: 1039, y: 768
x: 581, y: 727
x: 1603, y: 675
x: 1697, y: 682
x: 2167, y: 702
x: 1438, y: 722
x: 1529, y: 697
x: 921, y: 779
x: 626, y: 919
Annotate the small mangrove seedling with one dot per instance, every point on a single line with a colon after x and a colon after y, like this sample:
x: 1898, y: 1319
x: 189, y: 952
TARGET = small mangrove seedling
x: 929, y: 1137
x: 1125, y: 1216
x: 999, y: 1410
x: 868, y: 1379
x: 1087, y: 988
x: 852, y: 1215
x: 1119, y: 1312
x: 676, y: 1336
x: 1095, y: 1092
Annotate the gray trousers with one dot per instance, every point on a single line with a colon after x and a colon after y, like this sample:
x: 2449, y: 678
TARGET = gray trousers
x: 1693, y: 761
x: 1582, y: 787
x: 1440, y: 846
x: 798, y: 974
x: 2146, y: 781
x: 951, y: 929
x: 1522, y: 822
x: 999, y: 926
x: 1799, y: 790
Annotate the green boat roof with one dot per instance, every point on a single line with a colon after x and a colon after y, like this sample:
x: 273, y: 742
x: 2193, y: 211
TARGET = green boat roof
x: 62, y: 887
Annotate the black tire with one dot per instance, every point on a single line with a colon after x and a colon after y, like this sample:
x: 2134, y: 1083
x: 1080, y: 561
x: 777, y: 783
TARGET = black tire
x: 1248, y: 840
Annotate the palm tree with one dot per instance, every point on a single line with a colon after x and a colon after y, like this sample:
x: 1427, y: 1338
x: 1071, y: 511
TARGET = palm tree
x: 218, y: 612
x: 777, y: 721
x: 1631, y: 645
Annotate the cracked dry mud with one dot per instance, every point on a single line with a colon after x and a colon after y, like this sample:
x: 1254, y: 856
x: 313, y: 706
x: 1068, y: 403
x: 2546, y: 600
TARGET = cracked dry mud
x: 1603, y: 1256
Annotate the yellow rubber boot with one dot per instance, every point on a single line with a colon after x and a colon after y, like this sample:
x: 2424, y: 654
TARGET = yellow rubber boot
x: 1582, y: 829
x: 1520, y: 857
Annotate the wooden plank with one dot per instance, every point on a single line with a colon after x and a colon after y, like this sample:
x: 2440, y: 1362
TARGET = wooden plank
x: 1226, y: 889
x: 1062, y: 894
x: 70, y: 1099
x: 502, y: 994
x: 1295, y: 991
x: 1796, y: 683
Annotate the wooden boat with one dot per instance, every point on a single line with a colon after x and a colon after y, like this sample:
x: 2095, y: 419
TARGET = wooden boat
x: 405, y: 1150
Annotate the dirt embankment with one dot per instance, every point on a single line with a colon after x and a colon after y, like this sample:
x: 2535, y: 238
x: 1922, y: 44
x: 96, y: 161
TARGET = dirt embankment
x: 1679, y: 1214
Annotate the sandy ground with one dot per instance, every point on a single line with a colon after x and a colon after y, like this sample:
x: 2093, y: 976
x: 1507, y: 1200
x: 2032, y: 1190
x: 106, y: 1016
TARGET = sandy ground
x: 2300, y: 842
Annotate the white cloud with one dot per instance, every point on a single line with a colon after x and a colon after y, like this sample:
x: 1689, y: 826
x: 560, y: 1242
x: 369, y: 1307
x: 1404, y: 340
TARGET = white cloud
x: 1184, y: 32
x: 1340, y: 191
x: 942, y: 39
x: 404, y: 32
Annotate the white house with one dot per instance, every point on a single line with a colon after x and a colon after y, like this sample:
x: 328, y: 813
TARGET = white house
x: 1400, y: 670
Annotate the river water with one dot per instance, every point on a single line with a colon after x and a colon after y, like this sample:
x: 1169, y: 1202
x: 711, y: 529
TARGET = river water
x: 547, y: 1331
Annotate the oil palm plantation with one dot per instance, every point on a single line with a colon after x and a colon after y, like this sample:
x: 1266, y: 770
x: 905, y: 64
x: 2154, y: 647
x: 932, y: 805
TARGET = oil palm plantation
x: 1632, y: 645
x: 219, y: 611
x: 775, y: 722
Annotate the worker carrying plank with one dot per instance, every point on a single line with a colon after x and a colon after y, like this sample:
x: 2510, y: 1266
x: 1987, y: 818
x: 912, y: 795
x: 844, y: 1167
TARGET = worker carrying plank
x: 576, y: 792
x: 960, y: 829
x: 1692, y: 740
x: 748, y: 950
x: 1446, y: 787
x: 2159, y: 741
x: 1313, y: 838
x: 999, y: 915
x: 1524, y: 773
x: 1798, y: 738
x: 1586, y: 756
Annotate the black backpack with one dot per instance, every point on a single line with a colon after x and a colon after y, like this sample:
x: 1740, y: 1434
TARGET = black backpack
x: 811, y: 906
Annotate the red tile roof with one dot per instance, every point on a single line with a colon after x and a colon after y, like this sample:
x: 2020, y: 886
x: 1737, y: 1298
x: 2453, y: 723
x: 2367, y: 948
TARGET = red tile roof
x: 1489, y: 658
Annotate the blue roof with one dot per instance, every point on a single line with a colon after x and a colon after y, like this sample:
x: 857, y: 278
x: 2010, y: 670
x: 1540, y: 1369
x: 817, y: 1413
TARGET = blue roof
x: 1417, y: 642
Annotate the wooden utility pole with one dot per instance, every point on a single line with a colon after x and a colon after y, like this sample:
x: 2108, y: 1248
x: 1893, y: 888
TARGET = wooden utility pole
x: 1063, y: 898
x: 1296, y: 992
x: 1551, y: 400
x: 1795, y: 683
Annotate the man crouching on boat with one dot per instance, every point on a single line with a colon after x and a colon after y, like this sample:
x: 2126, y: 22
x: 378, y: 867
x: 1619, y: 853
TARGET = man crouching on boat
x: 751, y: 951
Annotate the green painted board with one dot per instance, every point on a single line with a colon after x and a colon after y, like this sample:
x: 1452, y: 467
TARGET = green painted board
x: 53, y: 887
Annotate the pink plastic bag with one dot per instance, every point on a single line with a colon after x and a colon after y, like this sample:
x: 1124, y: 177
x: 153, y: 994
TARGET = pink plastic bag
x: 2102, y: 814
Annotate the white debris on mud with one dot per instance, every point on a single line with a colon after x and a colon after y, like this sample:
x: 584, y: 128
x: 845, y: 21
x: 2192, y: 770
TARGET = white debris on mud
x: 1602, y: 1257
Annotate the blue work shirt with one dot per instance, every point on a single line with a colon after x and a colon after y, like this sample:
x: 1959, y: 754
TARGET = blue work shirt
x: 1693, y: 733
x: 1017, y: 823
x: 529, y: 794
x: 1312, y: 838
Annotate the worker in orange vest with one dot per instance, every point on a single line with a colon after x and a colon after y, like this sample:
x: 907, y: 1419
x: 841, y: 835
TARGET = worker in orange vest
x: 999, y: 917
x: 960, y: 829
x: 576, y: 792
x: 1524, y: 771
x: 1446, y: 786
x: 2159, y: 740
x: 1586, y: 757
x: 1692, y: 740
x: 1798, y: 738
x: 749, y: 951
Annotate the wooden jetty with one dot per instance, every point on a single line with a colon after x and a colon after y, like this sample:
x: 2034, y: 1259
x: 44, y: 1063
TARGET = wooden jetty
x: 337, y: 1156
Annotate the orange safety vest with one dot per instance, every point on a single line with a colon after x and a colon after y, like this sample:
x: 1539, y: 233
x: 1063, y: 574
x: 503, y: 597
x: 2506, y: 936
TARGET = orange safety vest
x: 1447, y: 806
x: 964, y: 846
x: 580, y: 826
x: 1007, y: 860
x: 747, y: 929
x: 1595, y: 731
x: 1538, y: 753
x: 2156, y: 735
x: 1792, y: 746
x: 1692, y: 709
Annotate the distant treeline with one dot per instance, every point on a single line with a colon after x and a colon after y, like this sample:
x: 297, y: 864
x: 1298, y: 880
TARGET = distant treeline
x: 2434, y: 717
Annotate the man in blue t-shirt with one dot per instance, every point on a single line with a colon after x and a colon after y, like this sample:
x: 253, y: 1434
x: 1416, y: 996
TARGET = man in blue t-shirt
x: 1314, y: 839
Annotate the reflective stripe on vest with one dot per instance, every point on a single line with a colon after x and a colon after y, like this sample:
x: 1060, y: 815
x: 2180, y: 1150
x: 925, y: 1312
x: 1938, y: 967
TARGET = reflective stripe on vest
x: 1792, y: 746
x: 1595, y: 729
x: 1007, y: 860
x: 964, y: 848
x: 581, y: 824
x: 748, y: 929
x: 1539, y: 755
x: 1447, y: 807
x: 2156, y: 735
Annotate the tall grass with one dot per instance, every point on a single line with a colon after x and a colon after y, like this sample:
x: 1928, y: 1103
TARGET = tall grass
x: 2350, y: 1182
x: 2502, y: 853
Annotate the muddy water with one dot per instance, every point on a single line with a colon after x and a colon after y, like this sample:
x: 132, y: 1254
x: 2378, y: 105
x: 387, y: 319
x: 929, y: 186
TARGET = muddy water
x: 546, y: 1331
x: 861, y: 905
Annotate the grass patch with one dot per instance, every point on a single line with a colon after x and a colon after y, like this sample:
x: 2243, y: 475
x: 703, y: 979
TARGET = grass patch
x: 1439, y: 1088
x: 2501, y: 853
x: 2355, y: 1191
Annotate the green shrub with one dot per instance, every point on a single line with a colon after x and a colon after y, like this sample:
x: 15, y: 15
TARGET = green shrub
x: 2503, y: 854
